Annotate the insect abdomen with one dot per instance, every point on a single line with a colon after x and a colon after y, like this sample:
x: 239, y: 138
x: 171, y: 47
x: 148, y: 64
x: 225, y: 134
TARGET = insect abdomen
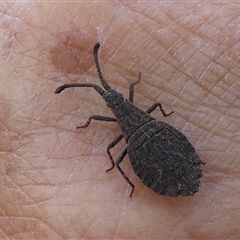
x: 164, y: 159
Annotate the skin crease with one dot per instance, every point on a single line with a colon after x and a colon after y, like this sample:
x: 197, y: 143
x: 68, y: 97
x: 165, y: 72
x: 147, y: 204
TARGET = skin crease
x: 53, y: 180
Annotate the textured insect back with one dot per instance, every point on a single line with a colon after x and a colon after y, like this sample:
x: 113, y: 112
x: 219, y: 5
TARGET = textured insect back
x: 161, y: 156
x: 165, y: 160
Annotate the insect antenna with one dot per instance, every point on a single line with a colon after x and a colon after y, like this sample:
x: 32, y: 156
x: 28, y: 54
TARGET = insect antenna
x: 90, y: 85
x: 103, y: 81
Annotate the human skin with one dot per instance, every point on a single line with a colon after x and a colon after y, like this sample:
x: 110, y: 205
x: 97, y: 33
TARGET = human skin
x: 53, y: 179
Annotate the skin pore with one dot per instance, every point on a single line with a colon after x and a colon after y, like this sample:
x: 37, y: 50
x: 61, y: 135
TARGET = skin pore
x: 53, y: 179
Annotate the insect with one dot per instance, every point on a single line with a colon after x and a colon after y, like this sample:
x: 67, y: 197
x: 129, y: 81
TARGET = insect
x: 161, y: 156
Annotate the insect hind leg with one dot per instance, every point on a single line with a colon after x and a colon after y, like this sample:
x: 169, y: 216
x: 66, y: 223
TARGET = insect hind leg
x: 122, y: 172
x: 131, y: 88
x: 155, y: 105
x: 110, y: 146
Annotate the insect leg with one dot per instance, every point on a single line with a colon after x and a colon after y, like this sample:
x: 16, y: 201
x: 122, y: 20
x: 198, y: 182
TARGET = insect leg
x: 99, y: 118
x: 110, y: 146
x: 122, y: 172
x: 155, y: 105
x: 131, y: 88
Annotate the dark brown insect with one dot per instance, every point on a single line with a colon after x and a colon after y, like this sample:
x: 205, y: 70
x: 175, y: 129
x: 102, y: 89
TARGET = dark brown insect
x: 161, y: 156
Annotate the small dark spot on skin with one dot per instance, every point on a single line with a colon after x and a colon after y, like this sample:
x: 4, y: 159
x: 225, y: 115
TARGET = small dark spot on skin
x: 71, y: 55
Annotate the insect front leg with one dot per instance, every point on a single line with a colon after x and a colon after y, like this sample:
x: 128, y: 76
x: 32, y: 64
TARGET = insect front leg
x: 99, y: 118
x: 155, y: 105
x: 110, y: 146
x: 122, y: 172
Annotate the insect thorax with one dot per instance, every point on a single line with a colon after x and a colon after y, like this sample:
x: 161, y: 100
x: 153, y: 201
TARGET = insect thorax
x: 129, y: 117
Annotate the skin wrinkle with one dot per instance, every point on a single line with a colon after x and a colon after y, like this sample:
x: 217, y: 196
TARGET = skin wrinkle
x: 208, y: 92
x: 112, y: 62
x: 208, y: 39
x: 149, y: 32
